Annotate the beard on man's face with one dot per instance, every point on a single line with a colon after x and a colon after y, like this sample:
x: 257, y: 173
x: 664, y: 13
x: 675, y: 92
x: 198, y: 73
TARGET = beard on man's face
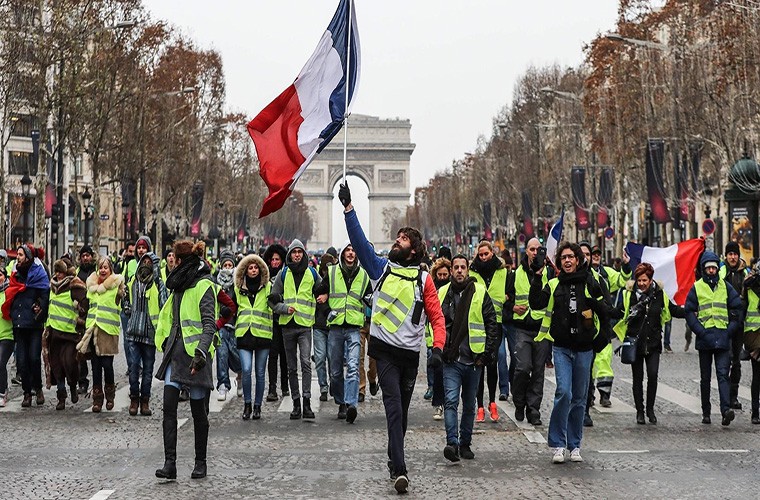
x: 399, y: 255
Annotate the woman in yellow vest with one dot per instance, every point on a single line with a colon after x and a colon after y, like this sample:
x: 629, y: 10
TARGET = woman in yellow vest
x: 186, y: 334
x: 105, y: 290
x: 6, y: 342
x: 253, y: 328
x: 751, y: 296
x: 65, y: 326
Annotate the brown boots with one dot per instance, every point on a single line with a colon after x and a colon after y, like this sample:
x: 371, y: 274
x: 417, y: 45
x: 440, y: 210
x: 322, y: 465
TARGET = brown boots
x: 144, y: 408
x: 134, y: 403
x: 97, y: 398
x: 61, y: 399
x: 142, y: 403
x: 110, y: 395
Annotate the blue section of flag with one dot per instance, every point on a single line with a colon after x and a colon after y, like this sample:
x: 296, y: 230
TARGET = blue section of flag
x: 634, y: 251
x: 556, y: 231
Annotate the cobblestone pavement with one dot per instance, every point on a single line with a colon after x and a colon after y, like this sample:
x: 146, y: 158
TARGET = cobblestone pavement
x: 77, y: 454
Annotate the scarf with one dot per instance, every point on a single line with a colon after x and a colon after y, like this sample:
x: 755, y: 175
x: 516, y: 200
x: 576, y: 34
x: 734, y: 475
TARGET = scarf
x: 253, y: 284
x: 144, y: 274
x: 61, y: 286
x: 36, y: 277
x: 349, y: 272
x: 300, y: 266
x: 184, y: 275
x: 224, y: 278
x: 459, y: 326
x: 439, y: 283
x: 486, y: 269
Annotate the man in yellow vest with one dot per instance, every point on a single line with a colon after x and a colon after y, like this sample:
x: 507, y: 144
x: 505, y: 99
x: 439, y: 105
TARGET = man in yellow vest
x: 713, y: 312
x: 293, y: 298
x: 343, y: 288
x: 472, y: 341
x: 403, y: 300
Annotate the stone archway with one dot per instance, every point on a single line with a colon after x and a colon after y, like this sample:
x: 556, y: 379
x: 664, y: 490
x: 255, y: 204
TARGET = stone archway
x: 379, y: 152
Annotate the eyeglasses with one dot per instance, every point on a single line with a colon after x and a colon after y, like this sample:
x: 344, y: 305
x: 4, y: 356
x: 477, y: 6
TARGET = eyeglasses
x: 566, y: 257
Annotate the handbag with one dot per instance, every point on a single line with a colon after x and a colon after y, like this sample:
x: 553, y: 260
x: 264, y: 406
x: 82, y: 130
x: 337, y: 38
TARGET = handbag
x: 627, y: 350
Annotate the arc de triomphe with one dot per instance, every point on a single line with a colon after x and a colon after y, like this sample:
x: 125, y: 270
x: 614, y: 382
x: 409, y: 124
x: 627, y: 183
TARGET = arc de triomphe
x: 379, y: 151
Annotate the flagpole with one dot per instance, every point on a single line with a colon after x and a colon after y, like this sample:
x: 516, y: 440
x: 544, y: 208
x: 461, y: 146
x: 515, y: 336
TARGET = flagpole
x: 348, y: 87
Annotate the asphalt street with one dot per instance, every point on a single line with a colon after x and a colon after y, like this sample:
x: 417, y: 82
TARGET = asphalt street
x: 77, y: 454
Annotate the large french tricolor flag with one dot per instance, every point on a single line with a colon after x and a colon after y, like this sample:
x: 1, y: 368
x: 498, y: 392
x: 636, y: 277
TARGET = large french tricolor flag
x: 674, y: 266
x: 302, y: 121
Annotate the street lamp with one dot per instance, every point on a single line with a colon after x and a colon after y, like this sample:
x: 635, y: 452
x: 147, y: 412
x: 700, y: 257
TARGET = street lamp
x: 26, y: 185
x: 125, y: 214
x: 177, y: 218
x: 88, y: 213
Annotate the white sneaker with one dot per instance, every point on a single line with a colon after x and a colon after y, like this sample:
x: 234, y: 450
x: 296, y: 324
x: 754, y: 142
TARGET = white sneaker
x: 559, y: 456
x: 3, y: 400
x: 222, y: 393
x: 438, y: 415
x: 575, y: 455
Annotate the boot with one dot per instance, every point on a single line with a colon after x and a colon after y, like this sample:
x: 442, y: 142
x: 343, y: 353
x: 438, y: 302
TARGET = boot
x: 40, y: 397
x: 27, y: 402
x: 296, y: 413
x: 134, y: 404
x: 110, y: 395
x: 256, y: 412
x: 200, y: 425
x: 144, y: 408
x: 307, y: 413
x: 74, y: 394
x: 97, y: 398
x: 640, y: 417
x: 651, y: 416
x: 171, y: 399
x: 246, y: 411
x: 61, y: 399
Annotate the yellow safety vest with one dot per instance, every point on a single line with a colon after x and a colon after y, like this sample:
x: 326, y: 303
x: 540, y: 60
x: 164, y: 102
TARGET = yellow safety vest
x: 621, y: 327
x: 752, y: 321
x: 495, y: 289
x: 546, y: 323
x: 302, y: 300
x: 396, y: 298
x: 522, y: 289
x: 190, y: 320
x: 476, y: 326
x: 428, y: 334
x: 62, y: 315
x: 154, y: 309
x: 713, y: 304
x: 6, y: 326
x: 347, y: 303
x: 257, y: 317
x: 103, y: 311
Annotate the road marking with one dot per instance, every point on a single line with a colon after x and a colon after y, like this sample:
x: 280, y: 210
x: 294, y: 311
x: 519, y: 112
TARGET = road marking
x: 722, y: 451
x: 215, y: 406
x: 744, y: 392
x: 618, y: 405
x: 181, y: 422
x: 686, y: 401
x: 528, y: 430
x: 120, y: 400
x: 286, y: 406
x: 102, y: 494
x: 629, y: 452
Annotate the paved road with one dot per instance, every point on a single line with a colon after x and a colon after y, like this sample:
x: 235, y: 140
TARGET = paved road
x: 76, y: 454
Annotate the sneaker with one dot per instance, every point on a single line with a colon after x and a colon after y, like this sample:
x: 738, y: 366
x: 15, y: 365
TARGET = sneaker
x: 323, y: 397
x: 493, y: 410
x: 728, y: 416
x: 438, y: 415
x: 351, y: 414
x: 605, y: 401
x: 519, y: 413
x: 559, y: 456
x: 503, y: 397
x: 668, y: 349
x: 272, y: 396
x: 428, y: 394
x: 481, y: 415
x: 451, y: 452
x: 361, y: 397
x: 575, y: 455
x: 222, y: 393
x: 466, y: 452
x: 401, y: 483
x: 373, y: 388
x: 587, y: 421
x: 16, y: 380
x: 3, y: 400
x: 736, y: 405
x: 342, y: 409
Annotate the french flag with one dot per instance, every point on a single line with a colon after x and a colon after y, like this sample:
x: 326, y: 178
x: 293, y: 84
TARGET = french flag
x: 302, y: 121
x: 555, y: 236
x: 674, y: 266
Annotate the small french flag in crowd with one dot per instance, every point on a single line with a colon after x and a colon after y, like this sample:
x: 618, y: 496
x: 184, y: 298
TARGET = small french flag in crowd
x: 303, y: 119
x: 674, y: 266
x: 555, y: 236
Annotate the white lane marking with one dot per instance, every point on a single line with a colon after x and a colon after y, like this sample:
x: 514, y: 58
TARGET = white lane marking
x: 215, y: 406
x: 102, y: 494
x: 121, y: 399
x: 615, y: 452
x: 181, y: 422
x: 534, y: 437
x: 527, y: 429
x: 286, y: 406
x: 618, y: 405
x: 744, y: 392
x: 686, y: 401
x: 721, y: 451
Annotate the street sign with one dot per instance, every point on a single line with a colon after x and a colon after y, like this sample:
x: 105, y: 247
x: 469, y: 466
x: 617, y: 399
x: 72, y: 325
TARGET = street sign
x: 103, y: 216
x: 609, y: 233
x: 708, y: 226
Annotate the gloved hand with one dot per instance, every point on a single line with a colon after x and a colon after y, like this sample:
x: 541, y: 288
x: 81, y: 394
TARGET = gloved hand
x: 436, y: 359
x: 198, y: 362
x: 344, y: 194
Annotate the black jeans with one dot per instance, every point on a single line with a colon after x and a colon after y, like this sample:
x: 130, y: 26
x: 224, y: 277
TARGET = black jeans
x: 492, y: 378
x: 653, y: 366
x: 530, y: 364
x: 102, y: 366
x: 277, y: 352
x: 29, y: 358
x: 397, y: 384
x: 722, y: 364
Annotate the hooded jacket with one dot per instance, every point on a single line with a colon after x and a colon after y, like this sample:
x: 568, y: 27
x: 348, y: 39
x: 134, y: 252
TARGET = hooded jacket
x: 713, y: 338
x: 324, y: 287
x: 276, y: 299
x: 144, y: 239
x: 272, y: 249
x: 248, y: 341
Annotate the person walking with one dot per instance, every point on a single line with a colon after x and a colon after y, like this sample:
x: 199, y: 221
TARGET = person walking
x: 441, y: 272
x: 274, y: 256
x: 734, y: 270
x: 713, y: 312
x: 751, y: 302
x: 6, y: 341
x: 472, y: 340
x: 186, y: 335
x: 321, y: 331
x: 227, y: 354
x: 105, y: 291
x: 574, y: 309
x: 404, y: 298
x: 253, y: 328
x: 85, y: 269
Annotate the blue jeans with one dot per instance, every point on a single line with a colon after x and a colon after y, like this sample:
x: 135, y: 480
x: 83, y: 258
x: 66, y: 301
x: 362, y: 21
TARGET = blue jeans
x: 722, y: 365
x: 344, y: 344
x: 195, y: 391
x: 320, y: 357
x: 29, y: 358
x: 506, y: 369
x: 246, y: 360
x: 458, y: 377
x: 571, y: 369
x: 227, y: 358
x: 137, y: 354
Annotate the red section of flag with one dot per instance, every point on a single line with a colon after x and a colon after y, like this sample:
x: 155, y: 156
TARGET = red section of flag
x: 275, y: 133
x: 687, y: 259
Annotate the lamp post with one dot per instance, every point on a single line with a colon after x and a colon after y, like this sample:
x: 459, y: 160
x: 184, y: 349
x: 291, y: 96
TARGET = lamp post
x: 88, y: 213
x: 177, y: 218
x: 26, y: 184
x: 125, y: 215
x: 156, y: 228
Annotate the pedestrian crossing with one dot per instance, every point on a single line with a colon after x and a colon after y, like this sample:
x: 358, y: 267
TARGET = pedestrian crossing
x: 618, y: 405
x: 286, y: 405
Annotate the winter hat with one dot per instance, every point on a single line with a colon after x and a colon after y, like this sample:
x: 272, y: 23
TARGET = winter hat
x: 709, y: 259
x: 332, y: 251
x: 643, y: 268
x: 732, y: 247
x: 3, y: 254
x: 85, y: 249
x: 186, y: 248
x: 444, y: 252
x: 144, y: 241
x: 226, y: 256
x: 60, y: 266
x: 596, y: 250
x: 28, y: 250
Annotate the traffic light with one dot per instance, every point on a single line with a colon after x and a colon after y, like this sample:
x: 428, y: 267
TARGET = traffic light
x: 55, y: 219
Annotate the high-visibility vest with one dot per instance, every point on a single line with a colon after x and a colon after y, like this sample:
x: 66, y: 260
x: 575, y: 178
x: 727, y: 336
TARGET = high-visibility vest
x: 151, y: 294
x: 129, y: 269
x: 495, y: 289
x: 347, y: 303
x: 546, y: 323
x: 62, y: 314
x: 396, y: 297
x: 752, y: 321
x: 6, y: 326
x: 476, y: 332
x: 189, y: 318
x: 713, y: 304
x: 522, y: 289
x: 302, y: 300
x: 621, y: 327
x: 257, y: 317
x: 723, y: 271
x: 103, y: 311
x: 428, y: 334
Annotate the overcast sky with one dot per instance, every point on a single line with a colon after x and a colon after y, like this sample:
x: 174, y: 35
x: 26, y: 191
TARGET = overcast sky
x: 446, y: 65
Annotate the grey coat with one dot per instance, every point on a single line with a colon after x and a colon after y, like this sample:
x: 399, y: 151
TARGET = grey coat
x: 174, y: 349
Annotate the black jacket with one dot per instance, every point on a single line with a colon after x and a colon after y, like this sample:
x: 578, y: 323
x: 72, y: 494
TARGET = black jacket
x: 647, y: 326
x: 493, y: 329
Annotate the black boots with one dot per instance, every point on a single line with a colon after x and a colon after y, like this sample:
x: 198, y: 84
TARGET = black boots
x: 200, y: 425
x: 61, y: 399
x: 256, y: 412
x: 74, y: 395
x: 171, y: 399
x: 296, y: 413
x: 651, y: 416
x: 307, y: 413
x: 246, y: 411
x: 640, y: 417
x: 342, y: 411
